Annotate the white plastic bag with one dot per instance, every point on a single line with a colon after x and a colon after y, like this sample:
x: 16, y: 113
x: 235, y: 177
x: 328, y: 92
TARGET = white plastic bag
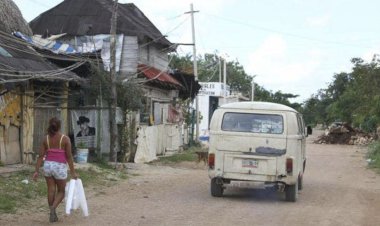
x: 69, y: 195
x: 76, y: 197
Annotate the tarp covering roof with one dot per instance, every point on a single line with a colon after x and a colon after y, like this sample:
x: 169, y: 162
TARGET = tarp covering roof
x: 92, y: 17
x: 155, y: 75
x: 18, y: 61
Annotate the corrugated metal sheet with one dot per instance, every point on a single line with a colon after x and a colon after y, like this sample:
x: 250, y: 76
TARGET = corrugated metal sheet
x: 155, y: 74
x: 154, y: 56
x: 129, y: 55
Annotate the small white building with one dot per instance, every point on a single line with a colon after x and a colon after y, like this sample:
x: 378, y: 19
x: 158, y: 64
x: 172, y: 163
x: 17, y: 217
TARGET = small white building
x: 210, y: 97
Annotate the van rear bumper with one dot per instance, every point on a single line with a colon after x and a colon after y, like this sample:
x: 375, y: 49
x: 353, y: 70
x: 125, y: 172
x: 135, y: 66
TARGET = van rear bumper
x: 286, y: 179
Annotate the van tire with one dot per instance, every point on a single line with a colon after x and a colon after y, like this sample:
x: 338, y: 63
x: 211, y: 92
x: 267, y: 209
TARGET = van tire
x: 291, y: 192
x: 216, y: 189
x: 300, y: 182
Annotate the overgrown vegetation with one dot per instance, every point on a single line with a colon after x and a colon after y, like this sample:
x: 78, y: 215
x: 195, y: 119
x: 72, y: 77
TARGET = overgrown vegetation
x: 374, y: 154
x: 14, y: 192
x: 19, y: 191
x: 130, y: 97
x: 352, y: 97
x: 238, y: 79
x: 187, y: 155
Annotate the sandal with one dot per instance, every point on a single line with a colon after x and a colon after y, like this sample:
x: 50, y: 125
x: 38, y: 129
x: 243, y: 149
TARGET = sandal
x: 53, y: 216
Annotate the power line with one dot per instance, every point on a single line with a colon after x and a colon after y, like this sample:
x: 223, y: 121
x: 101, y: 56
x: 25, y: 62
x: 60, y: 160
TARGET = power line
x: 163, y: 36
x: 282, y: 32
x: 41, y: 4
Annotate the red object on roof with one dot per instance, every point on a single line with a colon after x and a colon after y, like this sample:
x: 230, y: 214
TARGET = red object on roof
x: 152, y: 73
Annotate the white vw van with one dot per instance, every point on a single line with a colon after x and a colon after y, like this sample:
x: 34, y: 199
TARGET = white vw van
x: 257, y: 143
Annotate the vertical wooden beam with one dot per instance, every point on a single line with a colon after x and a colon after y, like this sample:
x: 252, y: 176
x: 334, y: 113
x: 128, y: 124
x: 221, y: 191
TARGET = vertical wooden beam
x: 113, y: 126
x: 64, y: 108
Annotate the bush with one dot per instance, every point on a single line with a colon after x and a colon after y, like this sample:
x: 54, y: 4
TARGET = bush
x: 374, y: 154
x: 369, y: 124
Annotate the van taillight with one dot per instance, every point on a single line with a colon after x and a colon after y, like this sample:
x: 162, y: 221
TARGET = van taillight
x: 211, y: 160
x: 289, y: 165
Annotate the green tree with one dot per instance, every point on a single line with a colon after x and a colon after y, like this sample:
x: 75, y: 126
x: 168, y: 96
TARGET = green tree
x: 237, y: 78
x: 351, y: 97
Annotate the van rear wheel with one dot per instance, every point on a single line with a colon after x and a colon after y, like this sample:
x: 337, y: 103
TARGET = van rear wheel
x: 291, y: 192
x: 216, y: 189
x: 300, y: 182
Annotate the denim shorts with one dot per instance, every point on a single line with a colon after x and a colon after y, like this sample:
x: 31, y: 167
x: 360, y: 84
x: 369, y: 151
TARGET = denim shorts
x: 55, y: 169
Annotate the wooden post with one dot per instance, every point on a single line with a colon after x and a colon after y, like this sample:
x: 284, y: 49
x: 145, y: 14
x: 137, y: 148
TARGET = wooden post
x: 113, y: 126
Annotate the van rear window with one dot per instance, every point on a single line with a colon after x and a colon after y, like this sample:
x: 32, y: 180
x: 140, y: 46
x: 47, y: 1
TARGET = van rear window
x: 255, y: 123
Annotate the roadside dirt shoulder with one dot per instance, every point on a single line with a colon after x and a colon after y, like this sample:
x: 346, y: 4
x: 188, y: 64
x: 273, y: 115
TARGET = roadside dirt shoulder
x: 339, y: 189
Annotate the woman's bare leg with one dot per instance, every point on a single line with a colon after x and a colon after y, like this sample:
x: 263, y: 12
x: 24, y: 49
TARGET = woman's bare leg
x: 51, y: 188
x: 61, y: 184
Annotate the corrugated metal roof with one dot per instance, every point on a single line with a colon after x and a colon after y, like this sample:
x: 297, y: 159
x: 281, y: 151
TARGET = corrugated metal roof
x: 92, y: 17
x: 152, y: 73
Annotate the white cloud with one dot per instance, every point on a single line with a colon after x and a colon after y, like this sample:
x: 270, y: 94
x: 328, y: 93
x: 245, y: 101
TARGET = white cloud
x: 368, y: 56
x: 168, y: 14
x: 320, y: 21
x: 275, y: 69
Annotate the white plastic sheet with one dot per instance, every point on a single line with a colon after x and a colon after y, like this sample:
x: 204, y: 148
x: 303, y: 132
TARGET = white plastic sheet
x: 75, y: 197
x: 147, y: 144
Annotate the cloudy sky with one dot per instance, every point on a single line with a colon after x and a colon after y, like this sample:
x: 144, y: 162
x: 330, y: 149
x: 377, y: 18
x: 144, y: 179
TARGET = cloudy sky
x: 295, y: 46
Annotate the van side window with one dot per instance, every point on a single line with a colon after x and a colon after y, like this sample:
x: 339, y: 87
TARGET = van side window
x: 254, y: 123
x: 301, y: 127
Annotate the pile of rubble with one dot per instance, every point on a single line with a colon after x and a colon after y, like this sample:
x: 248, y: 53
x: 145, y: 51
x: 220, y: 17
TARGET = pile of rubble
x: 342, y: 133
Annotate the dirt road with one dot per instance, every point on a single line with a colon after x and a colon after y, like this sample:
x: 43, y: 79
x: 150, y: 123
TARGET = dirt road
x: 338, y: 190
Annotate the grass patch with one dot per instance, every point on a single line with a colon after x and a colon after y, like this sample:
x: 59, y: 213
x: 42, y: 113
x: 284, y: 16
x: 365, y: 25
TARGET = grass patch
x: 103, y: 163
x: 14, y: 194
x: 374, y: 154
x: 7, y: 204
x: 187, y: 155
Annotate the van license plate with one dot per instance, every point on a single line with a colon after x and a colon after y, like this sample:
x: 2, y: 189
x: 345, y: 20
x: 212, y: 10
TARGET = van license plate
x: 250, y: 163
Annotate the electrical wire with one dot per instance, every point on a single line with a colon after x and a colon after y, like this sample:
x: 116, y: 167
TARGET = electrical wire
x: 168, y: 32
x: 30, y: 76
x: 27, y: 75
x: 282, y: 32
x: 213, y: 74
x: 32, y: 51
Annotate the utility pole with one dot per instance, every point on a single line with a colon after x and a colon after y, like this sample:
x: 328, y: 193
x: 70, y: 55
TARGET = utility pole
x: 253, y: 91
x: 113, y: 126
x: 253, y: 88
x: 225, y: 77
x: 195, y: 66
x: 220, y: 69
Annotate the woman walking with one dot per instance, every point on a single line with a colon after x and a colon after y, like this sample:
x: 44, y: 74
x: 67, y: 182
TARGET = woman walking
x: 56, y: 149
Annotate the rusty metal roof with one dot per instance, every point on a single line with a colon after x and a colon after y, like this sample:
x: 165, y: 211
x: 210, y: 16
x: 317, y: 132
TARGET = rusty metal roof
x: 153, y: 74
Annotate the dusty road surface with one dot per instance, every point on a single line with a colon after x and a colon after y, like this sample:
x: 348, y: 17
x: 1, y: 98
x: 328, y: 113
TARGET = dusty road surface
x: 338, y: 190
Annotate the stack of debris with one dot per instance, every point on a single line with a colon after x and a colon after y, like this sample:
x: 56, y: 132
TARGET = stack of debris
x: 342, y: 133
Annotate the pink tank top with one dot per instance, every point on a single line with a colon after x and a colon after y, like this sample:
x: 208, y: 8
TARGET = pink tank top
x: 56, y: 154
